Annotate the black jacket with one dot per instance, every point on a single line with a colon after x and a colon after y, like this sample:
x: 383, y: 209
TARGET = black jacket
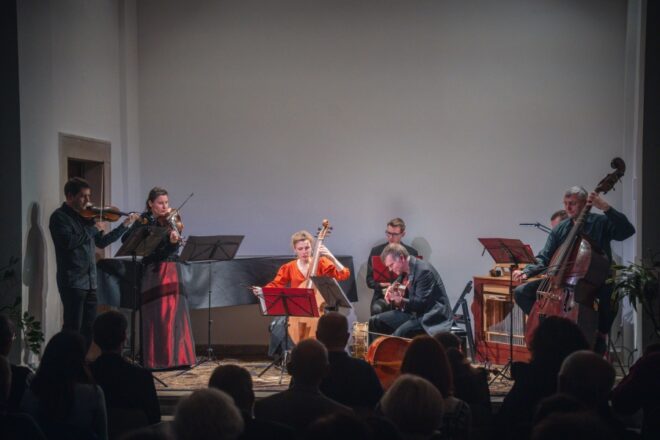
x: 76, y: 240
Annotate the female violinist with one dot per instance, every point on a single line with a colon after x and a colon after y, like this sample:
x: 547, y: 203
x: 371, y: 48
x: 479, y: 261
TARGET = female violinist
x: 157, y: 213
x: 166, y: 331
x: 295, y: 273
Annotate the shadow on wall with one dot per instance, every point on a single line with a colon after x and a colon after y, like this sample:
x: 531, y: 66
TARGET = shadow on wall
x: 34, y: 267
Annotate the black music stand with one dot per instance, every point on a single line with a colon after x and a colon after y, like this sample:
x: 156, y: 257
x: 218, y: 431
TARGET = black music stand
x: 464, y: 319
x: 512, y: 252
x: 275, y: 301
x: 141, y: 242
x: 331, y: 292
x: 208, y: 249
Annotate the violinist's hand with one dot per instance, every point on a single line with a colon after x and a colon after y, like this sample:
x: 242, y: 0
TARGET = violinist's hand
x: 132, y: 218
x: 100, y: 226
x: 174, y: 236
x: 597, y: 201
x: 385, y: 285
x: 256, y: 290
x: 519, y: 275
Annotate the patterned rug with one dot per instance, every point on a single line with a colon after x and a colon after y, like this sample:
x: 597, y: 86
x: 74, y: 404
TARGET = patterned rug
x: 198, y: 377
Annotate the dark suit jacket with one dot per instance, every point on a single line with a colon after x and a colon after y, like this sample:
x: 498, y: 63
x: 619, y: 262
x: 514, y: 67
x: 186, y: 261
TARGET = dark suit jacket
x: 297, y: 407
x: 126, y: 385
x: 351, y: 382
x: 427, y: 297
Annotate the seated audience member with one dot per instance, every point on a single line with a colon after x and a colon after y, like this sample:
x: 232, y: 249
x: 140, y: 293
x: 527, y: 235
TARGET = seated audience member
x: 557, y: 403
x: 14, y: 426
x: 425, y: 357
x: 339, y: 426
x: 415, y: 406
x: 129, y: 389
x: 590, y: 378
x: 207, y: 414
x: 572, y: 426
x: 237, y: 382
x: 351, y: 382
x: 470, y: 384
x: 554, y: 339
x: 20, y: 376
x: 640, y: 389
x: 303, y: 403
x: 62, y: 397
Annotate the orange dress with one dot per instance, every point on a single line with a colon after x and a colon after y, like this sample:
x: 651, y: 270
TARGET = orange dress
x: 290, y: 276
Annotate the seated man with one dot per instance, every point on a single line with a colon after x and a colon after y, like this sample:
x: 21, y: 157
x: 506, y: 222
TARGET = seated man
x: 351, y: 382
x: 601, y: 229
x: 395, y: 231
x: 423, y: 307
x: 126, y: 386
x: 303, y: 403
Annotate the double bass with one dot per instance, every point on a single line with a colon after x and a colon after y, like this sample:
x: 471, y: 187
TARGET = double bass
x: 577, y: 270
x: 303, y: 327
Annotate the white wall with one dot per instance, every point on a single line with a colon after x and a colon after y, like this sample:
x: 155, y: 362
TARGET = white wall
x: 73, y: 80
x: 464, y: 118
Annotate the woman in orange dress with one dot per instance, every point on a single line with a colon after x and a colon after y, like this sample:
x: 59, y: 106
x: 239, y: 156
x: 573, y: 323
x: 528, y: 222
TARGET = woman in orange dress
x: 294, y: 273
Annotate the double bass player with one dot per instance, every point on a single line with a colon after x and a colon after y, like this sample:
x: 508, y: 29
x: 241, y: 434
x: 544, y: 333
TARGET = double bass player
x: 601, y: 229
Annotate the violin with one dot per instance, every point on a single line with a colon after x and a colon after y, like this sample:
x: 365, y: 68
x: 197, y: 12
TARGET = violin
x: 105, y: 214
x: 172, y: 220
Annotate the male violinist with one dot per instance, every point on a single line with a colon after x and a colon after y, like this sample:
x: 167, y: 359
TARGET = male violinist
x: 423, y: 308
x: 601, y: 229
x: 394, y: 231
x: 75, y: 239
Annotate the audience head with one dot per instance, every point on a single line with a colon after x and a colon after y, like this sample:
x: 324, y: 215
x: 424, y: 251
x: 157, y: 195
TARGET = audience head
x: 308, y: 364
x: 237, y: 382
x: 207, y: 414
x: 338, y: 426
x: 5, y: 380
x: 426, y: 358
x: 572, y: 426
x: 332, y: 331
x: 557, y: 403
x: 652, y: 348
x: 7, y: 335
x: 448, y: 340
x: 587, y: 377
x: 110, y: 330
x: 413, y: 404
x: 62, y: 366
x: 554, y: 339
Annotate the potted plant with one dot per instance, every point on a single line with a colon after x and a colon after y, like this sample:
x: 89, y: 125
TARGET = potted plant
x: 639, y: 283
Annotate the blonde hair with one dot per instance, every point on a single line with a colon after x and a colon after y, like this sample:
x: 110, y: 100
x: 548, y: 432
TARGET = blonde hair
x: 301, y: 236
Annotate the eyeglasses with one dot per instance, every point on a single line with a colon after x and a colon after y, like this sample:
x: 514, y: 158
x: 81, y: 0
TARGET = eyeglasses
x: 392, y: 234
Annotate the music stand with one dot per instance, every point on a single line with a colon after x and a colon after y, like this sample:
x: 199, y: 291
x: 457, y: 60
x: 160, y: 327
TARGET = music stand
x: 512, y: 252
x: 141, y: 242
x: 331, y: 292
x: 381, y: 273
x: 276, y: 301
x: 207, y: 249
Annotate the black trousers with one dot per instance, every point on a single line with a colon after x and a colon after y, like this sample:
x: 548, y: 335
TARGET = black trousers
x: 525, y: 296
x: 79, y: 311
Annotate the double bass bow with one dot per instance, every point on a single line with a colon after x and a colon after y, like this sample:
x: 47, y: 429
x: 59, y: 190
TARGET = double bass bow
x: 576, y: 272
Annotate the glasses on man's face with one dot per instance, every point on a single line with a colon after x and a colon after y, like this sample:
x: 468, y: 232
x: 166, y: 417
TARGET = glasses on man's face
x: 393, y: 234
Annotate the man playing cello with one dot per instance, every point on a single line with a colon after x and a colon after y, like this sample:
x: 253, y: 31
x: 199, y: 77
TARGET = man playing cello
x: 601, y: 229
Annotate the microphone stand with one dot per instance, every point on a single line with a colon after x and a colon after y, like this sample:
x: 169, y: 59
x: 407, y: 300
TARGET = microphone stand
x: 538, y: 225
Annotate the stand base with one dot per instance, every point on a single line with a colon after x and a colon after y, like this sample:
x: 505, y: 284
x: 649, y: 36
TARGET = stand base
x: 278, y: 363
